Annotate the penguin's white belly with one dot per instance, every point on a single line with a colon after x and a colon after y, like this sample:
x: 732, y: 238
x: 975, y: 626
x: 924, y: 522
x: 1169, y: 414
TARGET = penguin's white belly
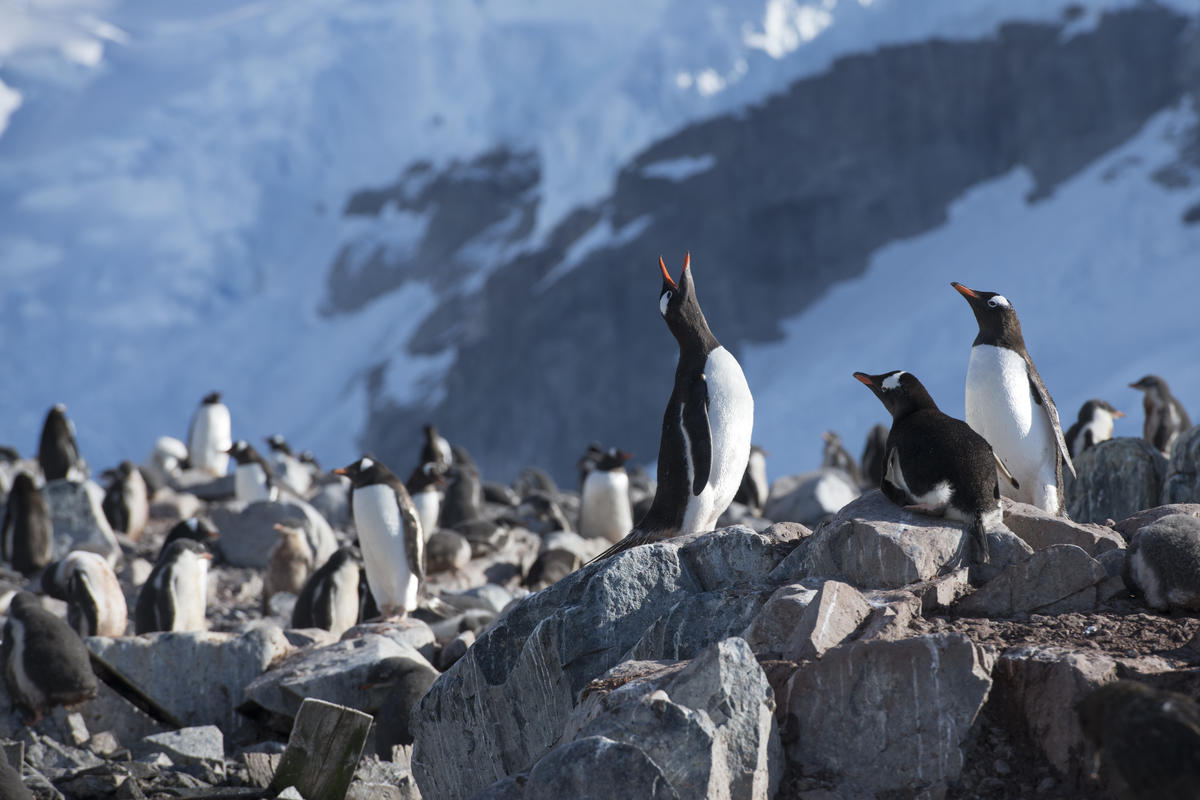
x: 1001, y: 408
x: 211, y: 436
x: 731, y: 420
x: 429, y: 505
x: 250, y: 484
x: 344, y: 612
x: 1101, y: 429
x: 25, y: 687
x: 111, y: 611
x: 381, y: 539
x: 136, y: 500
x: 293, y: 473
x: 604, y: 510
x: 188, y: 585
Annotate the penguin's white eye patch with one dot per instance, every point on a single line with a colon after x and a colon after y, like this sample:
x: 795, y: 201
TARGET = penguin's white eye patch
x: 892, y: 381
x: 999, y: 301
x: 662, y: 302
x: 366, y: 463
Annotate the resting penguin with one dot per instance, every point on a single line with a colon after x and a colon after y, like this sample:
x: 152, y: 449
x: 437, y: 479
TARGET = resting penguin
x: 288, y: 564
x: 95, y: 602
x: 754, y: 489
x: 45, y: 662
x: 196, y: 528
x: 27, y: 534
x: 210, y: 437
x: 389, y: 535
x: 1165, y: 417
x: 1094, y: 425
x: 329, y: 598
x: 425, y: 487
x: 58, y: 454
x: 1008, y: 405
x: 175, y: 596
x: 705, y: 442
x: 604, y: 509
x: 127, y: 502
x: 253, y: 480
x: 936, y: 464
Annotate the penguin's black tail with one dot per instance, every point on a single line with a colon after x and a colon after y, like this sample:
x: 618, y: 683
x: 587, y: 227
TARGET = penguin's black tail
x: 979, y: 542
x: 634, y: 538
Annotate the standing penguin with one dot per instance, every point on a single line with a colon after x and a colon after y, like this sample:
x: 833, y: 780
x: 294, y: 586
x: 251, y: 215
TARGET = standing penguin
x: 288, y: 564
x: 436, y: 449
x: 1008, y: 404
x: 95, y: 602
x: 425, y: 487
x: 58, y: 453
x: 1094, y: 425
x: 389, y: 535
x: 873, y: 452
x: 197, y: 529
x: 210, y: 436
x: 175, y: 596
x: 463, y: 500
x: 127, y: 502
x: 834, y: 455
x: 253, y: 479
x: 754, y: 489
x: 936, y: 464
x: 286, y: 467
x: 26, y: 533
x: 45, y: 662
x: 706, y: 429
x: 604, y: 509
x: 1165, y: 417
x: 329, y: 598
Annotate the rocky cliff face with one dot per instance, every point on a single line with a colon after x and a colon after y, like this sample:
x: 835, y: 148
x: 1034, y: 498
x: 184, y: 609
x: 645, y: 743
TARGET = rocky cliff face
x: 776, y: 204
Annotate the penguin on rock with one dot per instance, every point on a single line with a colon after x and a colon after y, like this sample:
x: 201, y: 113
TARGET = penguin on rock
x: 1008, y: 404
x: 329, y: 598
x: 1165, y: 417
x: 436, y: 450
x: 95, y: 601
x: 210, y: 436
x: 1094, y: 425
x: 253, y: 480
x: 127, y: 501
x: 45, y: 662
x: 175, y: 596
x: 705, y: 443
x: 834, y: 455
x: 58, y: 454
x: 27, y: 532
x: 935, y: 464
x: 288, y: 564
x: 604, y: 509
x: 389, y: 535
x: 287, y: 467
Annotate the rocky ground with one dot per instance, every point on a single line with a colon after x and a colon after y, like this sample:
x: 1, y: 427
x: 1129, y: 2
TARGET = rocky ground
x: 816, y: 652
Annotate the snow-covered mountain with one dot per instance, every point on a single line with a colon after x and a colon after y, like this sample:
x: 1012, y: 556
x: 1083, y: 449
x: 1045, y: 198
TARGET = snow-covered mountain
x: 354, y: 217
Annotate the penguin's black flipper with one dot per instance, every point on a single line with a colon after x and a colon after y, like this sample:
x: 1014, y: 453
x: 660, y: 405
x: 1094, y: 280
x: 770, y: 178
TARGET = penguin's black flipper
x: 698, y: 433
x: 1042, y: 395
x: 8, y: 530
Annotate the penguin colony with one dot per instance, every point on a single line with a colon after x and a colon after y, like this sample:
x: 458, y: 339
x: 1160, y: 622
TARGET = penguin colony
x: 1011, y: 444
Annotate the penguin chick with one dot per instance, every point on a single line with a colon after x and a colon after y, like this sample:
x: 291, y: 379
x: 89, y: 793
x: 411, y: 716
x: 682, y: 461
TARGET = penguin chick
x: 58, y: 454
x: 95, y: 601
x: 874, y: 450
x: 210, y: 437
x: 127, y: 502
x: 1094, y: 425
x: 604, y: 509
x: 253, y: 480
x: 936, y: 464
x: 1009, y: 405
x: 45, y: 662
x: 288, y: 564
x: 835, y: 456
x: 1165, y: 417
x: 705, y: 443
x: 1147, y: 741
x: 425, y: 488
x: 26, y: 532
x: 389, y: 535
x: 754, y: 489
x: 1162, y: 563
x: 329, y: 598
x: 175, y: 596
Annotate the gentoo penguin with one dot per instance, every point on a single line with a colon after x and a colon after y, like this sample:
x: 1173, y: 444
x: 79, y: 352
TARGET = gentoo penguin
x: 936, y: 464
x: 329, y: 598
x: 541, y: 514
x: 210, y: 436
x: 253, y: 479
x: 175, y: 596
x: 198, y: 529
x: 58, y: 453
x: 604, y: 509
x: 463, y: 500
x: 835, y: 456
x: 27, y: 534
x: 1094, y: 425
x: 45, y: 662
x: 873, y: 452
x: 1008, y: 405
x: 95, y: 602
x: 165, y: 462
x: 1147, y: 740
x: 425, y: 487
x: 389, y: 535
x: 754, y: 488
x: 436, y: 450
x: 288, y: 564
x: 587, y: 462
x: 126, y: 501
x: 705, y: 442
x: 286, y: 467
x: 1165, y: 417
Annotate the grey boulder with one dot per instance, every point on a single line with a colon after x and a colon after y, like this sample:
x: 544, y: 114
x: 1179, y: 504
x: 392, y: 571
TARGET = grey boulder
x: 1114, y: 479
x: 248, y: 535
x: 1040, y: 529
x: 1054, y: 580
x: 809, y: 498
x: 1182, y: 481
x: 78, y: 520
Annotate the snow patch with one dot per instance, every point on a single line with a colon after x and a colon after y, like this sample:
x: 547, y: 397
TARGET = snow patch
x: 680, y: 169
x: 601, y: 236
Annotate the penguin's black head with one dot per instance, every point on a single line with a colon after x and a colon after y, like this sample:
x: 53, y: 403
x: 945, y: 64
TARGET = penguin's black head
x: 612, y: 459
x: 278, y: 444
x: 56, y: 417
x: 364, y: 472
x: 181, y: 547
x: 1150, y: 383
x: 679, y: 307
x: 431, y: 473
x: 1088, y: 412
x: 212, y: 398
x: 831, y: 438
x: 899, y: 391
x: 22, y: 603
x: 197, y: 528
x: 308, y: 457
x: 243, y: 452
x: 998, y: 323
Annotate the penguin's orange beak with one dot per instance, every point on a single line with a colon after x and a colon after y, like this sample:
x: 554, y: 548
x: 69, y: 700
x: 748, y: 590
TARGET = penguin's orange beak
x: 964, y: 291
x: 863, y: 378
x: 339, y: 471
x: 1118, y: 414
x: 687, y: 261
x: 206, y: 556
x: 666, y: 275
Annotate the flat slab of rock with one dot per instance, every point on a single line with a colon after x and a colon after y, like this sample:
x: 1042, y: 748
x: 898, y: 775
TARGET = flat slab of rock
x: 1114, y: 479
x: 188, y: 745
x: 1055, y: 580
x: 1040, y: 529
